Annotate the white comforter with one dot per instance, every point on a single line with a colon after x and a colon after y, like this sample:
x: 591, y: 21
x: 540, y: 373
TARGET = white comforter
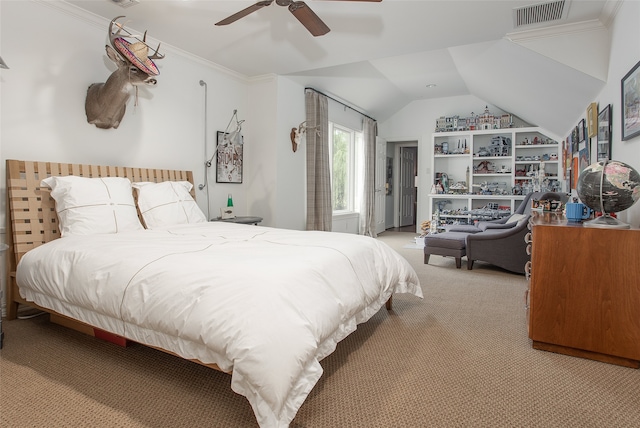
x: 265, y: 304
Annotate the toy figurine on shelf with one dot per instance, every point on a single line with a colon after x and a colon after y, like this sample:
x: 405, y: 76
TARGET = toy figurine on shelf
x: 467, y: 179
x: 459, y: 149
x: 433, y: 225
x: 425, y: 228
x: 444, y: 182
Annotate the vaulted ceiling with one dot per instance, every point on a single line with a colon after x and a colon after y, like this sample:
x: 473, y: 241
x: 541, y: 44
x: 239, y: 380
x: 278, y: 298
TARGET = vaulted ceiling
x: 381, y: 56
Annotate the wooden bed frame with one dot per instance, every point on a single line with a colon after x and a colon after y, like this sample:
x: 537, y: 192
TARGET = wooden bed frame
x: 32, y: 221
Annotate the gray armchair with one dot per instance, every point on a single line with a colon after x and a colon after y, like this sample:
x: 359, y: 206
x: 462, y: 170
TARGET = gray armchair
x: 503, y: 223
x: 502, y: 244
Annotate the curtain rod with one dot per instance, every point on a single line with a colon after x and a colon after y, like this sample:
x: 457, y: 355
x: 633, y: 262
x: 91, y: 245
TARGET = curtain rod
x: 340, y: 102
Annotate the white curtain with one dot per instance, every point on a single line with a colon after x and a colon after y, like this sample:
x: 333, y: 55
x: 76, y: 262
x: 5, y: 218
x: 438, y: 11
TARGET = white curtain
x: 319, y: 207
x: 367, y: 204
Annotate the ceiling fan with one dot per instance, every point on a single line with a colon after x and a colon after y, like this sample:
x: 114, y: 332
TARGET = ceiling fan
x: 300, y: 10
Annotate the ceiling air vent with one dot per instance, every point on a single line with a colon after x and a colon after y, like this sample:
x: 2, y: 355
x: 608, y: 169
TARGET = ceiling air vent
x: 540, y: 13
x: 125, y: 3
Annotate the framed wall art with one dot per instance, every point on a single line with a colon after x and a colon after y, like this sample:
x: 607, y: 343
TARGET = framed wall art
x: 604, y: 134
x: 630, y: 96
x: 592, y: 120
x: 581, y: 131
x: 584, y: 158
x: 565, y: 150
x: 229, y: 161
x: 575, y: 172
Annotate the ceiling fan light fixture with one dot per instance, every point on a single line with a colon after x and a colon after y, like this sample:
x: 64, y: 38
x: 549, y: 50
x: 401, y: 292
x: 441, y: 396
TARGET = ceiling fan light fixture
x: 299, y: 9
x: 308, y: 18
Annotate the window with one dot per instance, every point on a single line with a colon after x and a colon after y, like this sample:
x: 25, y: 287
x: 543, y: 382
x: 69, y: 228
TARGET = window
x: 345, y: 145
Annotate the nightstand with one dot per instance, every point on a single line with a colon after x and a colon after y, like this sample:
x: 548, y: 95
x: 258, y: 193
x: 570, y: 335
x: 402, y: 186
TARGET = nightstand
x: 240, y: 219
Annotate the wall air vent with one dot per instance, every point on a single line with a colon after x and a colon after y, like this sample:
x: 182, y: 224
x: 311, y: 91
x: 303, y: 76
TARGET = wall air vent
x: 541, y: 13
x: 125, y: 3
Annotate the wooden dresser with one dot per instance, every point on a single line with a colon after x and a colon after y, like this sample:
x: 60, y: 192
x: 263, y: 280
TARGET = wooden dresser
x: 584, y: 292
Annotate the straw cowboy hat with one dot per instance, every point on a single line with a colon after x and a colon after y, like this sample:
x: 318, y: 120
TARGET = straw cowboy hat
x: 137, y: 53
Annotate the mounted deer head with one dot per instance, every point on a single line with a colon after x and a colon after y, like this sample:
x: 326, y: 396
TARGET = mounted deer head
x: 106, y: 102
x: 297, y: 133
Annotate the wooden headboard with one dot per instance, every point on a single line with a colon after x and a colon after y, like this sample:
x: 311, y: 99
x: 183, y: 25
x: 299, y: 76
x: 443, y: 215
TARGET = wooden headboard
x: 31, y: 216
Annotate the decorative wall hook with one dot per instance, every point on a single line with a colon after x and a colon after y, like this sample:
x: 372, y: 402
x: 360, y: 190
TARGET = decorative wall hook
x: 297, y: 133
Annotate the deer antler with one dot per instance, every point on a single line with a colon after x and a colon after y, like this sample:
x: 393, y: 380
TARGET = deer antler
x: 155, y: 55
x: 113, y: 36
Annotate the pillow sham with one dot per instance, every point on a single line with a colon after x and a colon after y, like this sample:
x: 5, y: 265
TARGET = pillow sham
x: 515, y: 218
x: 88, y: 206
x: 167, y: 203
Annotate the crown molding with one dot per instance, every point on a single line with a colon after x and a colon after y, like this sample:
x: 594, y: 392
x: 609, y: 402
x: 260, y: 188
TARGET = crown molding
x: 609, y: 12
x: 555, y: 31
x: 262, y: 78
x: 102, y: 23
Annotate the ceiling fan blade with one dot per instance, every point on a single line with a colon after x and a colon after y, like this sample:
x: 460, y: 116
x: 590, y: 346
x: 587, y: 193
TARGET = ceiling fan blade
x: 244, y: 12
x: 308, y: 18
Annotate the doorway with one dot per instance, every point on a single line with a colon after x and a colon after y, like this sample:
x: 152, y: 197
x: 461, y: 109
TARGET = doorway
x: 408, y: 191
x: 401, y: 203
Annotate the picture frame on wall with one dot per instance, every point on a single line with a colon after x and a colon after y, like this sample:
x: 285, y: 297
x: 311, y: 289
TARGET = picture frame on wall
x: 604, y: 134
x: 584, y: 158
x: 565, y: 150
x: 229, y: 160
x: 592, y: 120
x: 581, y: 131
x: 575, y: 172
x: 630, y: 103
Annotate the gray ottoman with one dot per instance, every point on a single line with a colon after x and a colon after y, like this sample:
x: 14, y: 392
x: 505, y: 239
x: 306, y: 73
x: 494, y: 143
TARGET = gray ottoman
x: 452, y: 244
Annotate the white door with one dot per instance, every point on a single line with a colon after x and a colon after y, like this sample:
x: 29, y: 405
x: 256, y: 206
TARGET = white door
x: 381, y: 171
x: 407, y: 186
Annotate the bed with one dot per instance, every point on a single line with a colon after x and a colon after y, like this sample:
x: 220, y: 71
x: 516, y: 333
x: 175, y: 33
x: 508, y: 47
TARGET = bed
x: 263, y: 304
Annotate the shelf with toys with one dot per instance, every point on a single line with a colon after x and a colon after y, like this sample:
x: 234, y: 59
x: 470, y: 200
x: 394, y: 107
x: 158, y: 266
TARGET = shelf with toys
x: 490, y: 170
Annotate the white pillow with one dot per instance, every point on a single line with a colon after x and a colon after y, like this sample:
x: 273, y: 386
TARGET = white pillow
x: 167, y: 203
x: 88, y: 206
x: 515, y: 218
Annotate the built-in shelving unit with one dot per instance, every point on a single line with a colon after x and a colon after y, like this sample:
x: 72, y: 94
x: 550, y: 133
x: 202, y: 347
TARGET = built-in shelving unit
x: 496, y: 168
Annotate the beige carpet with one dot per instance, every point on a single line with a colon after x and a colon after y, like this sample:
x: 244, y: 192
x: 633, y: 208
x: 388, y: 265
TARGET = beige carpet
x: 458, y: 358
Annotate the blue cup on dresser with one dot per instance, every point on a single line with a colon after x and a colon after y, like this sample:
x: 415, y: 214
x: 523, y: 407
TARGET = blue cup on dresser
x: 575, y: 211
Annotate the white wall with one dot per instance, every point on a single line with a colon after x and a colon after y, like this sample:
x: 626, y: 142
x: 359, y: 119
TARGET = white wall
x: 276, y: 175
x: 261, y: 159
x: 417, y: 120
x: 56, y: 51
x: 291, y: 188
x: 625, y: 53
